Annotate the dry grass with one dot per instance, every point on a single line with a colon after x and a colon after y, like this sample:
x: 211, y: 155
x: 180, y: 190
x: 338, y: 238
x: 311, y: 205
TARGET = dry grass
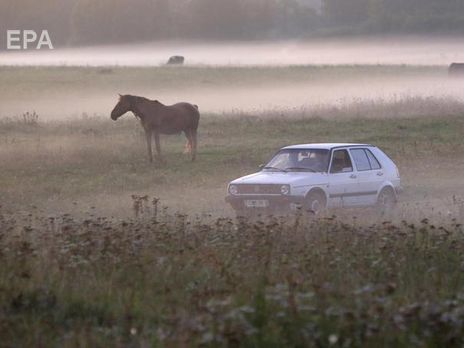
x: 71, y: 165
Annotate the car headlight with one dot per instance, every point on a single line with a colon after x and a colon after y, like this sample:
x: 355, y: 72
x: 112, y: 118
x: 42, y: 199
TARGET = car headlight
x: 285, y: 189
x: 233, y: 189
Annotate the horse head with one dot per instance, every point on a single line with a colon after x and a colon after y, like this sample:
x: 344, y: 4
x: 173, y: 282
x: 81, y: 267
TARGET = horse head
x: 124, y: 105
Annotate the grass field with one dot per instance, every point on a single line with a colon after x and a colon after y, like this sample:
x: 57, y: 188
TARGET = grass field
x: 85, y: 260
x: 76, y: 164
x: 16, y: 79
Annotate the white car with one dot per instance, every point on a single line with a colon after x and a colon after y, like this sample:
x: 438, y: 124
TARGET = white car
x: 315, y: 177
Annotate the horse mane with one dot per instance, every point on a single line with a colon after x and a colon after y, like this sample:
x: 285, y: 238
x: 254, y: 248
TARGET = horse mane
x: 138, y: 98
x: 134, y: 100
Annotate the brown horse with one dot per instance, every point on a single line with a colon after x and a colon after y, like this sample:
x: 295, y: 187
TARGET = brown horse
x: 157, y: 119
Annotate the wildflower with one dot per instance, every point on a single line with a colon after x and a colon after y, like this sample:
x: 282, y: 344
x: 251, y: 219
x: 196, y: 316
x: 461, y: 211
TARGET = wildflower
x: 333, y: 339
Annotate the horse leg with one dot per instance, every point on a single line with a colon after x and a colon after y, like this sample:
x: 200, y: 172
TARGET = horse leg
x: 194, y: 142
x: 148, y: 134
x: 158, y: 146
x: 188, y: 144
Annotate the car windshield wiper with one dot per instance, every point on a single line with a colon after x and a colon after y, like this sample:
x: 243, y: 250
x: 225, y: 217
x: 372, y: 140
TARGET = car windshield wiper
x: 275, y: 168
x: 300, y: 168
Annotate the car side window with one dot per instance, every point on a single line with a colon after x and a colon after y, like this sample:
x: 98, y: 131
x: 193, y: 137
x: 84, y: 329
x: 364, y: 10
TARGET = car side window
x: 372, y: 160
x: 341, y: 162
x: 360, y: 159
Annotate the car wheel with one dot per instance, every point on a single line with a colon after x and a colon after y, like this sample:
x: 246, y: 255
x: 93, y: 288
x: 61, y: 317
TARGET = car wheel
x: 386, y: 201
x: 315, y: 203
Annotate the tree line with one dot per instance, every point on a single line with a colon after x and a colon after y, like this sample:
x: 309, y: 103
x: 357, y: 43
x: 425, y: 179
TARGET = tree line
x: 84, y: 22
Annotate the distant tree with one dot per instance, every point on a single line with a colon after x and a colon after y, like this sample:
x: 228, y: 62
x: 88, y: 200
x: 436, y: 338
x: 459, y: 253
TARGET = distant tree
x: 296, y: 19
x: 91, y: 22
x: 260, y: 18
x: 218, y: 19
x: 342, y: 12
x: 83, y: 22
x: 134, y: 20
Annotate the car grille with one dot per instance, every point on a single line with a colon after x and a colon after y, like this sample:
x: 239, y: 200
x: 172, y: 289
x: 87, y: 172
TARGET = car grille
x: 268, y: 189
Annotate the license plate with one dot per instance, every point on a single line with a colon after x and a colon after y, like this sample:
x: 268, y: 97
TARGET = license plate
x: 256, y: 203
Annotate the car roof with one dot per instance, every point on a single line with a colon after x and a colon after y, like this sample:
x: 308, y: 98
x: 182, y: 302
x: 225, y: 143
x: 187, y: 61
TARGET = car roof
x: 322, y: 146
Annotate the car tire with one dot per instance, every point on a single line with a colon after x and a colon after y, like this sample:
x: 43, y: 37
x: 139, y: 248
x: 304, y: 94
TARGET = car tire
x: 386, y: 201
x: 315, y: 203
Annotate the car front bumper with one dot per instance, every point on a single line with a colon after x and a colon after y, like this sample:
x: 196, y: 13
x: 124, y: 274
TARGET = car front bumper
x: 274, y: 203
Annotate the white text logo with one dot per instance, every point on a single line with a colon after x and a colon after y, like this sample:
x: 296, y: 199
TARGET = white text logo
x: 24, y: 39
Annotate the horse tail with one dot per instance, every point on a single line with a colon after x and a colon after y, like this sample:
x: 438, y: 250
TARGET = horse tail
x: 197, y: 116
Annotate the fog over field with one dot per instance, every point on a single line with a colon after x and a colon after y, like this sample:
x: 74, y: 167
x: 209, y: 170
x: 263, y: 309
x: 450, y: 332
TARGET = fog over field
x: 222, y: 91
x: 219, y: 85
x: 323, y: 51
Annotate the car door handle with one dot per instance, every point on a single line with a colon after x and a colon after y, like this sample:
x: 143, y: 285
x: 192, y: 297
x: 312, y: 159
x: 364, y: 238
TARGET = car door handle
x: 379, y: 174
x: 353, y: 176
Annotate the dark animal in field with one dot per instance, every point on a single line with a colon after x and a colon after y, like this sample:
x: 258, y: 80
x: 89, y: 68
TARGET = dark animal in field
x: 157, y: 119
x: 176, y: 60
x: 456, y: 69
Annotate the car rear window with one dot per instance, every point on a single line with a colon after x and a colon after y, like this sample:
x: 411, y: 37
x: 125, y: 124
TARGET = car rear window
x: 365, y: 160
x: 360, y: 159
x: 373, y: 161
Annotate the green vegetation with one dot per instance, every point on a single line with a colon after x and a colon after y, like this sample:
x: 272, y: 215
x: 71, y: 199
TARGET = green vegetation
x: 164, y: 280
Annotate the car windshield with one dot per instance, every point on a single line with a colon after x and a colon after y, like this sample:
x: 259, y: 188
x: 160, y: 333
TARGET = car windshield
x: 293, y: 160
